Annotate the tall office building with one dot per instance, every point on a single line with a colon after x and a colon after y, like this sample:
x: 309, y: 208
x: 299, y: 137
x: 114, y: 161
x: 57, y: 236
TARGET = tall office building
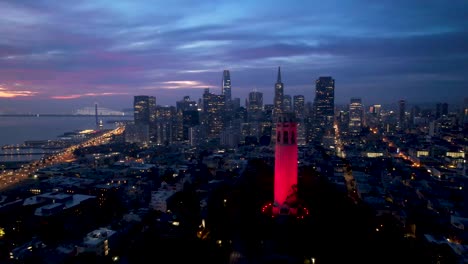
x: 268, y: 111
x: 186, y: 104
x: 376, y: 110
x: 287, y: 103
x: 190, y: 118
x: 213, y: 113
x: 279, y: 95
x: 254, y: 106
x: 144, y: 107
x: 136, y: 133
x: 324, y: 108
x: 299, y: 106
x: 227, y: 87
x: 285, y: 178
x: 166, y: 129
x: 299, y: 112
x: 187, y: 117
x: 402, y: 114
x: 235, y: 103
x: 441, y: 110
x: 355, y: 116
x: 465, y: 112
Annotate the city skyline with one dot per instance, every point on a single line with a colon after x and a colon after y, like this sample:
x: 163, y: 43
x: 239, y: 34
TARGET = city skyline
x: 61, y: 57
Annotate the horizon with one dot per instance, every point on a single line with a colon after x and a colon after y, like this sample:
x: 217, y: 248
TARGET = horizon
x: 452, y: 106
x: 58, y: 57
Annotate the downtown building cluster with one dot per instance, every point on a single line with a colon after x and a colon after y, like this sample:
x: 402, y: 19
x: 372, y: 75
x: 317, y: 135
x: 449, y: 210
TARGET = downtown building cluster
x: 220, y: 119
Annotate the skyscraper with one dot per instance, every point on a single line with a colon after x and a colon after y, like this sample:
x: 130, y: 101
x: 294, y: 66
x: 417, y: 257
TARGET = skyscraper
x: 299, y: 106
x: 254, y: 106
x: 377, y: 109
x: 402, y: 114
x: 213, y: 112
x: 324, y: 107
x: 465, y: 113
x: 279, y: 95
x: 227, y: 87
x: 144, y: 116
x: 299, y: 111
x: 285, y: 182
x: 186, y: 104
x: 441, y: 110
x: 187, y: 117
x: 355, y: 116
x: 144, y: 109
x: 287, y: 103
x: 165, y: 125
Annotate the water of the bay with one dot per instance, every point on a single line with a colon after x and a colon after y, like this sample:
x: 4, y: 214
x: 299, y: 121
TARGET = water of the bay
x: 15, y: 130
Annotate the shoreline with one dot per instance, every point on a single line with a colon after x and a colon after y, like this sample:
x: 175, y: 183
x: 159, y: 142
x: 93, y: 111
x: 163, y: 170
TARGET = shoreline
x: 17, y: 129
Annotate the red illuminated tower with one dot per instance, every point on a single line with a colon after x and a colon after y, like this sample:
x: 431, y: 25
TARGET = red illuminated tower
x: 285, y: 183
x: 285, y: 200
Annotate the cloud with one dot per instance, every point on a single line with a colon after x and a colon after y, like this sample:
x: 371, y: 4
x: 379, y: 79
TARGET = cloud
x: 178, y: 85
x: 11, y: 93
x: 199, y: 71
x: 93, y: 47
x: 75, y: 96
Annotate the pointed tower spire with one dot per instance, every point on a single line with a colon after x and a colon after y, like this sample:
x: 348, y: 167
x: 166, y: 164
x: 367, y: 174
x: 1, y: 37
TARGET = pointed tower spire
x: 279, y: 75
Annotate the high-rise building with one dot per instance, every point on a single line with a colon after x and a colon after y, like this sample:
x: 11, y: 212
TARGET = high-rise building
x: 144, y: 109
x: 145, y: 114
x: 287, y: 103
x: 285, y: 178
x: 197, y: 135
x: 299, y: 112
x: 213, y: 113
x: 415, y: 114
x: 186, y: 104
x: 278, y: 104
x: 136, y: 133
x: 309, y: 122
x: 254, y: 105
x: 268, y: 111
x: 190, y: 118
x: 355, y: 116
x: 324, y: 108
x: 235, y: 103
x: 227, y: 87
x: 465, y: 113
x: 279, y: 95
x: 230, y: 137
x: 165, y: 124
x: 441, y: 110
x: 402, y: 114
x: 376, y: 110
x: 187, y: 116
x: 299, y: 106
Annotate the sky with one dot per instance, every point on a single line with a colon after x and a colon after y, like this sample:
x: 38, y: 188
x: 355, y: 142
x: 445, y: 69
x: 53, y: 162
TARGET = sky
x: 57, y: 56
